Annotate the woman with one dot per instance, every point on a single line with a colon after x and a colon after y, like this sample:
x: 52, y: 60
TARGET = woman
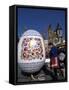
x: 54, y: 62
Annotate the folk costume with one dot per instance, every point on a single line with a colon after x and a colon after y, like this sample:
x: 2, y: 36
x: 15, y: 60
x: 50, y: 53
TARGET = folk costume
x: 54, y: 62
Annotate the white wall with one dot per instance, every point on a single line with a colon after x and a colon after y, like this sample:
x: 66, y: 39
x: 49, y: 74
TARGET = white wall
x: 4, y: 45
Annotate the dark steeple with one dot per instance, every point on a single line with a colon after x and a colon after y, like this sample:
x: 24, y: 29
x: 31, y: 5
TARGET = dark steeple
x: 58, y: 27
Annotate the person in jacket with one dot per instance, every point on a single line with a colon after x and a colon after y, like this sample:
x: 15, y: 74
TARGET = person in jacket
x: 54, y: 61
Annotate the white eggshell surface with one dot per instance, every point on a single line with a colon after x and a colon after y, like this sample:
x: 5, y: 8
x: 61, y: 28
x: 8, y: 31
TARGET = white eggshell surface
x: 31, y: 51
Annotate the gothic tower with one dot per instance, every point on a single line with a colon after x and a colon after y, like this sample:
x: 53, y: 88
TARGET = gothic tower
x: 50, y: 34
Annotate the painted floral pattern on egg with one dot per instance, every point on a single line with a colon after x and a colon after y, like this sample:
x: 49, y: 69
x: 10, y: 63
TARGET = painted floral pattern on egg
x: 31, y: 49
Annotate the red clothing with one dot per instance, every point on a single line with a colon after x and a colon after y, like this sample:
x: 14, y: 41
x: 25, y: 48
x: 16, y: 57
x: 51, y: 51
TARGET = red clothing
x: 54, y: 62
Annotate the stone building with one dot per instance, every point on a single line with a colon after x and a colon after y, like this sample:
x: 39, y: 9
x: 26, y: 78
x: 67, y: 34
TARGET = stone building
x: 55, y: 36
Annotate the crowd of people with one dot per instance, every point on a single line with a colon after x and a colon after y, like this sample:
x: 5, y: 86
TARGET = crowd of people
x: 55, y: 63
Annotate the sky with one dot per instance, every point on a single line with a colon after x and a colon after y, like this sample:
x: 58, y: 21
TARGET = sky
x: 39, y: 19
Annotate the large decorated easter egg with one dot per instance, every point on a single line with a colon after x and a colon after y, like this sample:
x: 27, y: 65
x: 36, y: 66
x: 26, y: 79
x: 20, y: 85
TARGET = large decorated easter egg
x: 31, y: 51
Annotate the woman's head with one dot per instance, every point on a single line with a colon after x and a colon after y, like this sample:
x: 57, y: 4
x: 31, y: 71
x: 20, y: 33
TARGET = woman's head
x: 50, y: 45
